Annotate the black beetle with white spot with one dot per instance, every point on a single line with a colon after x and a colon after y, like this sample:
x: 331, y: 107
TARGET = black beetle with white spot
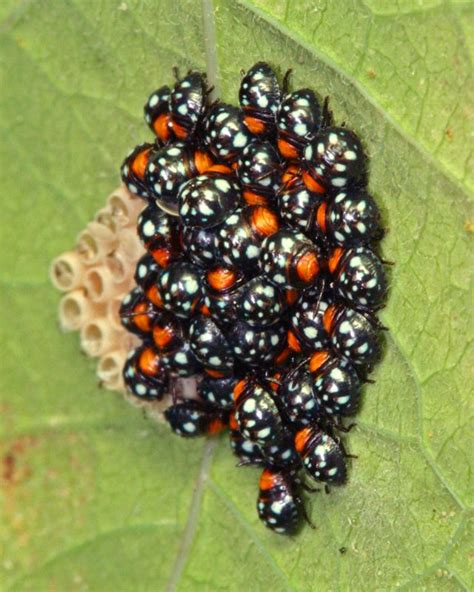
x: 261, y: 281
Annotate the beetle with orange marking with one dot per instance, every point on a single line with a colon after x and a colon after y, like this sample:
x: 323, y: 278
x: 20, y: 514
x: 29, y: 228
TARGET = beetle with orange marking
x: 260, y: 98
x: 144, y: 374
x: 240, y: 237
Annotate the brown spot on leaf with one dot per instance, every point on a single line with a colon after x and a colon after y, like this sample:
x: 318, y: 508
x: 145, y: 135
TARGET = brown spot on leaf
x: 371, y: 73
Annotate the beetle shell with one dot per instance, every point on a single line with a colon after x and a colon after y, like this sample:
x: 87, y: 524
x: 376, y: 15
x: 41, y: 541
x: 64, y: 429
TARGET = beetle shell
x: 322, y: 456
x: 299, y: 207
x: 260, y: 303
x: 290, y: 260
x: 359, y: 277
x: 336, y: 384
x: 218, y: 391
x: 167, y: 170
x: 282, y: 452
x: 137, y: 313
x: 222, y: 284
x: 210, y: 345
x: 206, y: 201
x: 157, y: 114
x: 277, y: 505
x: 256, y: 413
x: 298, y: 119
x: 188, y: 105
x: 133, y: 169
x: 190, y: 419
x: 335, y: 157
x: 353, y: 334
x: 247, y: 452
x: 226, y: 134
x: 180, y: 288
x: 159, y: 230
x: 297, y: 399
x: 254, y: 345
x: 167, y: 333
x: 307, y: 320
x: 353, y: 218
x: 146, y: 271
x: 144, y: 374
x: 259, y: 172
x: 200, y: 245
x: 260, y: 98
x: 240, y: 237
x: 181, y: 361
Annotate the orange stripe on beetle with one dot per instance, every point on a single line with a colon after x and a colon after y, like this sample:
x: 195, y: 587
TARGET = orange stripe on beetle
x: 265, y: 221
x: 149, y: 362
x: 302, y: 438
x: 140, y: 162
x: 267, y: 480
x: 307, y: 267
x: 317, y: 360
x: 286, y: 149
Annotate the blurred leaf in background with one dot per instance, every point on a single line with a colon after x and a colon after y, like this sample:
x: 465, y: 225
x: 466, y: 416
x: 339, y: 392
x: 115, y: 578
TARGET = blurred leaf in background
x: 95, y: 497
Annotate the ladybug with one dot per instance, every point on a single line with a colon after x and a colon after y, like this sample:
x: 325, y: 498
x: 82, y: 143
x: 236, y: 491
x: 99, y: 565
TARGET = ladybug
x: 278, y: 505
x: 240, y: 237
x: 255, y: 345
x: 248, y: 452
x: 296, y: 397
x: 359, y: 277
x: 260, y: 98
x: 259, y: 172
x: 307, y: 331
x: 134, y: 167
x: 157, y: 114
x: 137, y: 313
x: 226, y: 134
x: 144, y: 374
x: 351, y: 219
x: 298, y: 120
x: 159, y: 234
x: 336, y: 383
x: 218, y: 391
x: 255, y: 411
x: 205, y: 201
x: 353, y: 334
x: 181, y: 361
x: 334, y: 158
x: 146, y: 271
x: 260, y: 303
x: 221, y: 292
x: 209, y: 345
x: 191, y: 418
x: 322, y: 456
x: 290, y: 260
x: 167, y: 333
x: 169, y: 168
x: 188, y: 105
x: 180, y: 287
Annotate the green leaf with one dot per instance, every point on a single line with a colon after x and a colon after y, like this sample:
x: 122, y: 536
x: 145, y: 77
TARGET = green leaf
x: 96, y: 497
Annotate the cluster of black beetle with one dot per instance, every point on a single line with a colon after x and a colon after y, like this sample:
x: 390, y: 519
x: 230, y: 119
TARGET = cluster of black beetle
x: 259, y: 277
